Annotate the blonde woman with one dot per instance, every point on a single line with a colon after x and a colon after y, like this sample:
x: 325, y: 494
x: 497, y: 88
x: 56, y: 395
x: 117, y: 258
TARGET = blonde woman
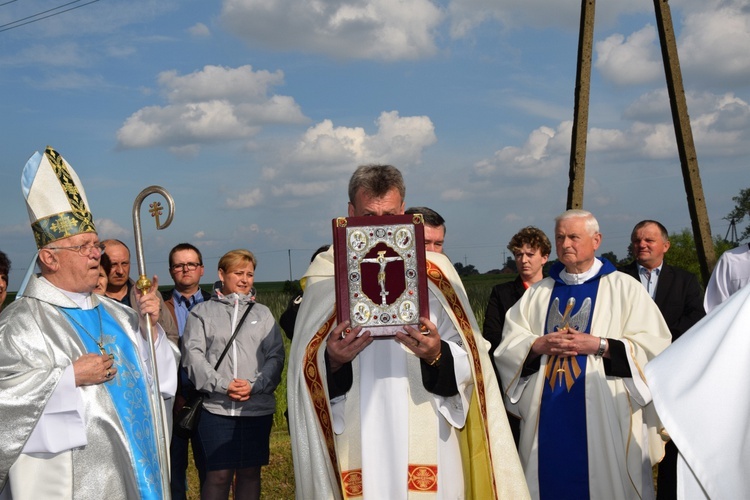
x: 234, y: 430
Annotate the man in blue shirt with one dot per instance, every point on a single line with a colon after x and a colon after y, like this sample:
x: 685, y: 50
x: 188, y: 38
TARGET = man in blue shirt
x: 679, y: 296
x: 186, y: 269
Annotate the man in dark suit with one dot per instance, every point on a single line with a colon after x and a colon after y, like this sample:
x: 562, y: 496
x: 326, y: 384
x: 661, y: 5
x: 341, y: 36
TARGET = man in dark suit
x: 679, y: 297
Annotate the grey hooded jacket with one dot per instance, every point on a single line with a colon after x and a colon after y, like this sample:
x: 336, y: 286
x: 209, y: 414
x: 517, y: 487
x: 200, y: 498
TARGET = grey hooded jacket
x: 256, y: 355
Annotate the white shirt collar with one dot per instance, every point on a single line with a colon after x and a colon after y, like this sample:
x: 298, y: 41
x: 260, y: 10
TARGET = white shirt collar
x: 577, y: 279
x: 82, y: 300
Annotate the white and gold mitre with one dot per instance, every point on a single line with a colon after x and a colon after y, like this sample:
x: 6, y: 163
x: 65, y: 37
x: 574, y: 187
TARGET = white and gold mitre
x: 55, y: 198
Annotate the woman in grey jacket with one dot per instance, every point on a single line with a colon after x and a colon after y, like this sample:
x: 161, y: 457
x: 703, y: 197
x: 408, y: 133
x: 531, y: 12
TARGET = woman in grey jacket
x: 235, y: 427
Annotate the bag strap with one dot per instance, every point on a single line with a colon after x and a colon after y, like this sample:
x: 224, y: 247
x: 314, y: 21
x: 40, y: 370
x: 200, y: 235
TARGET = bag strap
x: 236, y: 331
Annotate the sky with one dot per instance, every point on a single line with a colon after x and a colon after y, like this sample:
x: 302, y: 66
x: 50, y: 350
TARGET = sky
x: 254, y: 113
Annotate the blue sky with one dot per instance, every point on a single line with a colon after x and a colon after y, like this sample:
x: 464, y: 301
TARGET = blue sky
x: 254, y: 113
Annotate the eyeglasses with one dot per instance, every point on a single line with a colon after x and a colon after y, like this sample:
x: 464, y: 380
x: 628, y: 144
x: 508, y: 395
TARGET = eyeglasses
x: 188, y: 266
x: 83, y: 250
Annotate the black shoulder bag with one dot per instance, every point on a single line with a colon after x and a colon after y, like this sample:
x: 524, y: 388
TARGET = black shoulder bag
x: 190, y: 414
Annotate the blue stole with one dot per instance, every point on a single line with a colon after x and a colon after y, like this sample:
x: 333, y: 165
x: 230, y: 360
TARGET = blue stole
x: 128, y: 392
x: 562, y: 439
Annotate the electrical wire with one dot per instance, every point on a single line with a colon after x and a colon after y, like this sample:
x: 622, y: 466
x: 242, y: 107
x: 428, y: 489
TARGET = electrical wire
x: 30, y: 19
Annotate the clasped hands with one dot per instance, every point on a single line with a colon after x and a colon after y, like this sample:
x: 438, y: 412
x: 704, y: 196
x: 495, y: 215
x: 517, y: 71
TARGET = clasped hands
x: 566, y: 342
x: 239, y: 389
x: 345, y: 343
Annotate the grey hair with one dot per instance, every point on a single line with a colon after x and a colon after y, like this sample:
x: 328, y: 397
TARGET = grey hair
x: 376, y: 181
x: 592, y: 225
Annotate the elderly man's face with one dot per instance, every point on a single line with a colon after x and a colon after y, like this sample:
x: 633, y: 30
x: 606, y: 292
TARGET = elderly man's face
x: 119, y: 273
x: 366, y: 204
x: 576, y: 248
x: 76, y: 272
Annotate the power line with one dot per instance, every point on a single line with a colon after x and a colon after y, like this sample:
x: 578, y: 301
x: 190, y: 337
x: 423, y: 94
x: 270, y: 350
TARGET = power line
x: 39, y: 13
x: 6, y: 3
x: 30, y: 19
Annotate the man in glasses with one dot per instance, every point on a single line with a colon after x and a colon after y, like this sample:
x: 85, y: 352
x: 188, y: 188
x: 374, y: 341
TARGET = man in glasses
x: 77, y: 400
x: 122, y: 288
x: 186, y: 269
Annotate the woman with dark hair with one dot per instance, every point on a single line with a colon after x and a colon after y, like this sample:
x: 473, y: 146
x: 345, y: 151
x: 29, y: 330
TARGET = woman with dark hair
x: 235, y: 426
x: 531, y: 249
x: 4, y: 272
x: 104, y: 267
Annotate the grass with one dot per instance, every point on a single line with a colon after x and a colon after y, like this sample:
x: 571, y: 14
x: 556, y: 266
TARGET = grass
x: 278, y: 476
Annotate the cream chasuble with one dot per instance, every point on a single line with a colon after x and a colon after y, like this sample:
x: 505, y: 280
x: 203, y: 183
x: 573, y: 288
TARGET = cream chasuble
x: 621, y: 425
x: 388, y: 437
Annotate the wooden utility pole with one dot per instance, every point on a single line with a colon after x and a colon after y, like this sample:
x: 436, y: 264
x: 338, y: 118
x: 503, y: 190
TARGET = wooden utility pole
x: 581, y: 111
x: 680, y: 118
x: 685, y: 146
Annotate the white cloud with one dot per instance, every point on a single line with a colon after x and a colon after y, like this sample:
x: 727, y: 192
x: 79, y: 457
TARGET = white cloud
x: 632, y: 60
x: 199, y: 30
x: 712, y: 47
x: 348, y: 29
x: 714, y: 40
x: 247, y: 199
x: 199, y: 235
x: 214, y: 105
x: 540, y: 107
x: 324, y: 156
x: 720, y: 125
x: 109, y: 229
x: 543, y: 155
x: 466, y: 15
x: 650, y: 107
x: 398, y: 140
x: 238, y: 85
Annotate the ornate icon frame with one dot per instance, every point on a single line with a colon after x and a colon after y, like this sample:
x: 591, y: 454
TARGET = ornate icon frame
x: 364, y: 249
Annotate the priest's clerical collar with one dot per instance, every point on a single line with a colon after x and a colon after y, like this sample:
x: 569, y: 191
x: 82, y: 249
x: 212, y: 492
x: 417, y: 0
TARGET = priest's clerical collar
x: 82, y: 300
x: 577, y: 279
